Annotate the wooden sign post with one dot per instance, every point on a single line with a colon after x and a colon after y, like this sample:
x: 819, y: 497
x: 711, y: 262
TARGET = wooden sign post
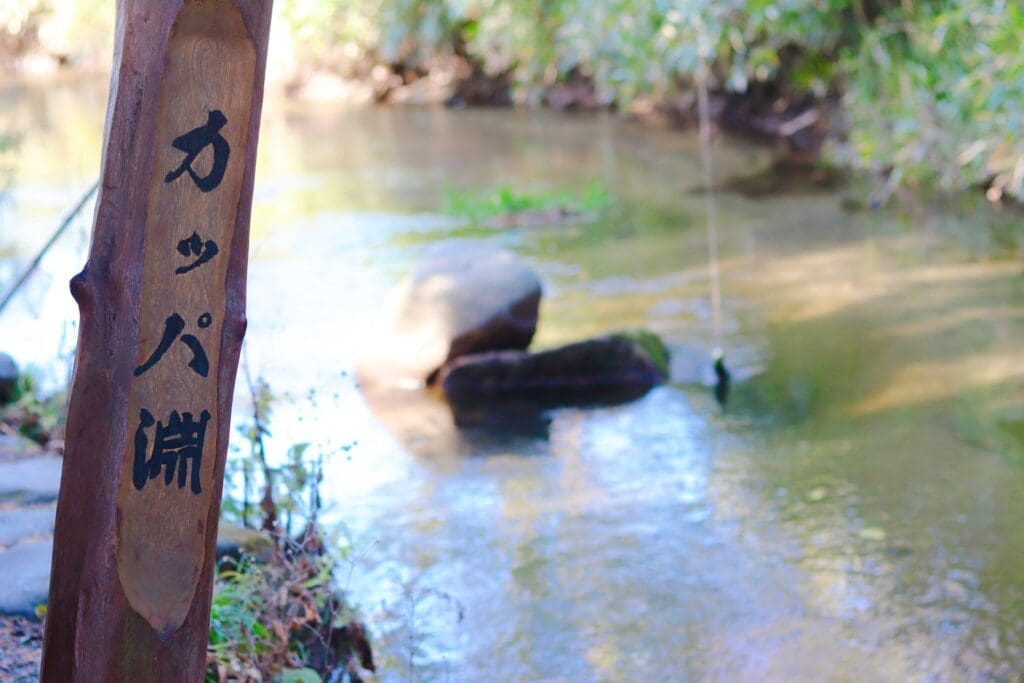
x: 162, y: 302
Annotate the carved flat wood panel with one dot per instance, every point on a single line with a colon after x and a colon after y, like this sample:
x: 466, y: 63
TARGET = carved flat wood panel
x: 168, y: 482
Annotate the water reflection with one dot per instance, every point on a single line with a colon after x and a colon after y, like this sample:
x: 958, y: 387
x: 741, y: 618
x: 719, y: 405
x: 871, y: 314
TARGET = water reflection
x: 852, y: 514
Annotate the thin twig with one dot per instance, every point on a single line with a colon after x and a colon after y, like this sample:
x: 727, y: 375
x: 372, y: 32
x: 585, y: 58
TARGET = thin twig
x: 49, y: 243
x: 258, y: 447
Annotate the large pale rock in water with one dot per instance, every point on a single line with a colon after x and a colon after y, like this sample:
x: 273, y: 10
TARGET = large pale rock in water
x: 460, y: 298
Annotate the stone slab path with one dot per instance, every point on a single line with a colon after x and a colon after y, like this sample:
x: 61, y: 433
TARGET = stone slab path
x: 26, y: 572
x: 31, y: 480
x: 29, y: 483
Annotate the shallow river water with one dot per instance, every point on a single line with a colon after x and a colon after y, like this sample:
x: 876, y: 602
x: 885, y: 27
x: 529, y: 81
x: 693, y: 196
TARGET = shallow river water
x: 854, y: 513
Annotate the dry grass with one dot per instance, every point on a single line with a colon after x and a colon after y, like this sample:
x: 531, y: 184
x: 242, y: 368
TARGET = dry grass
x: 284, y: 617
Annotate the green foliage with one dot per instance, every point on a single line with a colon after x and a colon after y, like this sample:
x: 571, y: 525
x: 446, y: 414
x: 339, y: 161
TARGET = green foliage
x: 630, y: 48
x: 652, y: 344
x: 300, y: 676
x: 933, y: 90
x: 936, y: 94
x: 274, y: 621
x: 265, y: 617
x: 479, y: 206
x: 327, y: 33
x: 235, y: 615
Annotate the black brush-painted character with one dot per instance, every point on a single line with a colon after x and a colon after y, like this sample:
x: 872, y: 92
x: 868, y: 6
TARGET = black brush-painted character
x: 194, y: 142
x: 195, y: 246
x: 173, y: 327
x: 177, y: 447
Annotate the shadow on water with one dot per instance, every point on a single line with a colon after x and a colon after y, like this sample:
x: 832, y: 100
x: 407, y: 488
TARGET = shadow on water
x: 884, y: 400
x: 425, y: 424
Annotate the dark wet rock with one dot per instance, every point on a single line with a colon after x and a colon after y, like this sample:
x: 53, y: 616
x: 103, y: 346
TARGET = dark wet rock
x: 26, y: 523
x: 344, y: 648
x: 8, y: 378
x: 234, y: 541
x: 461, y: 298
x: 604, y: 370
x: 803, y: 123
x: 576, y: 91
x: 507, y: 417
x: 476, y: 88
x: 30, y: 480
x: 25, y: 569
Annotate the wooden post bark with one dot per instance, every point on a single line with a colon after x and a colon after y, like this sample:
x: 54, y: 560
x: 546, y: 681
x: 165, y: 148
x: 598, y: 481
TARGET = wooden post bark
x: 162, y: 304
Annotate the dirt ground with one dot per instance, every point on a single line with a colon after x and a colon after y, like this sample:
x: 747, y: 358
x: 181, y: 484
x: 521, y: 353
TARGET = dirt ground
x: 21, y: 643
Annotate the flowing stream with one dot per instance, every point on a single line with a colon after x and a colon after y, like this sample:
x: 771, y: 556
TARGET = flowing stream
x: 853, y: 514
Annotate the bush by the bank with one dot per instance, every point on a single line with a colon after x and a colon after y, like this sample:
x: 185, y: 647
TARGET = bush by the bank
x: 935, y: 92
x: 932, y: 90
x: 284, y: 620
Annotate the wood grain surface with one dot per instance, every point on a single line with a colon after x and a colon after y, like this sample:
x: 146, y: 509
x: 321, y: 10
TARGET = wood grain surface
x: 132, y: 570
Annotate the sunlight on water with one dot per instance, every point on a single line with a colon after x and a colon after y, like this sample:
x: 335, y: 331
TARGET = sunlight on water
x: 853, y: 515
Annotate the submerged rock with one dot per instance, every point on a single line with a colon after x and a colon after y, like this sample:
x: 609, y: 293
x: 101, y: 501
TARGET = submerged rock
x: 8, y: 377
x: 460, y: 299
x: 603, y: 370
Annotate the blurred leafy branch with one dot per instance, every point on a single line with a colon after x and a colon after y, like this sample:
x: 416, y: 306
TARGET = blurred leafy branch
x: 931, y: 90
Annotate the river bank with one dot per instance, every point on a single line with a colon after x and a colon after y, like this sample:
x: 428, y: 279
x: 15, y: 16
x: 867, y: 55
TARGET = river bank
x: 918, y: 96
x: 28, y: 493
x: 801, y: 124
